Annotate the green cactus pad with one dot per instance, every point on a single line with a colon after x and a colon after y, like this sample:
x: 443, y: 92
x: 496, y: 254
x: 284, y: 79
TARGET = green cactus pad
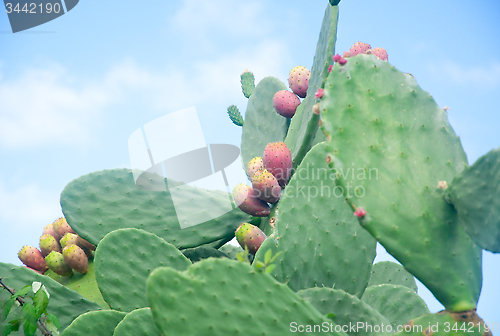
x: 262, y: 123
x: 348, y: 311
x: 391, y: 273
x: 230, y: 250
x: 299, y: 138
x: 226, y: 297
x: 63, y: 302
x: 84, y: 284
x: 203, y: 252
x: 444, y: 324
x: 137, y: 322
x: 398, y: 303
x: 235, y: 115
x: 247, y: 83
x: 102, y: 323
x: 391, y: 145
x: 322, y: 242
x: 103, y: 201
x: 475, y: 194
x: 123, y: 261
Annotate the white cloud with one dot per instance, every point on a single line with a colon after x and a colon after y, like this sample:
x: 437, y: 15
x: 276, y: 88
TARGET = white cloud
x: 28, y: 207
x: 480, y: 76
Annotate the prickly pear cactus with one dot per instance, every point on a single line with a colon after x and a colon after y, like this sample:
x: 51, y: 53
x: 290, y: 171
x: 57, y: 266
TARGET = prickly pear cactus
x: 391, y: 145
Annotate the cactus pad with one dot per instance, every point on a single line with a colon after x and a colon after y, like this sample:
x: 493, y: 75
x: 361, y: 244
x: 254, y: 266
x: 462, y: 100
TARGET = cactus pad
x: 123, y: 261
x: 322, y: 243
x: 203, y: 252
x: 225, y: 297
x: 101, y: 323
x: 391, y: 145
x: 398, y: 303
x: 475, y: 194
x: 391, y: 273
x: 103, y: 201
x: 137, y: 322
x: 347, y: 309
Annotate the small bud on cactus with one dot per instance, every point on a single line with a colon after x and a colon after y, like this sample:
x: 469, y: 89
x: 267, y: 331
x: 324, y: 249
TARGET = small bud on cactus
x: 336, y: 57
x: 360, y: 212
x: 330, y: 67
x: 267, y: 186
x: 319, y: 93
x: 342, y: 61
x: 48, y: 244
x: 250, y: 236
x: 247, y: 199
x: 61, y: 227
x: 32, y: 257
x: 442, y: 185
x: 359, y: 48
x: 285, y: 103
x: 75, y: 257
x: 73, y: 238
x: 298, y: 80
x: 55, y: 261
x: 49, y: 229
x: 278, y: 161
x: 380, y: 53
x: 347, y: 54
x: 316, y: 109
x: 255, y: 164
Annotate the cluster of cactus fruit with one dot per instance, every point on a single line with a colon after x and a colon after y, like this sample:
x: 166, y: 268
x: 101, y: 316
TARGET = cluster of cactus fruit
x: 61, y: 249
x: 366, y: 156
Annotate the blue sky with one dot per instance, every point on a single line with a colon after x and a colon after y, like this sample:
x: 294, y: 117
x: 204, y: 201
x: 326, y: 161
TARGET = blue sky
x: 74, y: 89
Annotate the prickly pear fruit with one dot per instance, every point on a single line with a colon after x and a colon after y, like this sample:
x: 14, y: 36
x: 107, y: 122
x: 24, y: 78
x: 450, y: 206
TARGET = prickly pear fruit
x: 49, y: 229
x: 255, y: 164
x: 76, y: 258
x: 247, y: 199
x: 298, y: 80
x: 73, y: 238
x: 336, y: 58
x: 380, y: 53
x: 267, y: 186
x: 359, y: 48
x: 61, y: 227
x: 250, y: 236
x: 285, y: 103
x: 48, y: 244
x: 278, y: 161
x: 33, y: 258
x: 55, y: 261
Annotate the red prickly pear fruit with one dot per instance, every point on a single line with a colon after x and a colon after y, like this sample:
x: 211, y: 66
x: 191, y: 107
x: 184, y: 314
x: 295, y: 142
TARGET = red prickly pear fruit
x: 380, y: 53
x: 55, y: 261
x: 267, y: 186
x: 360, y: 212
x: 336, y: 57
x: 33, y: 258
x: 298, y: 80
x: 49, y: 229
x: 48, y: 244
x: 247, y: 199
x: 359, y: 48
x: 73, y: 238
x: 250, y: 236
x: 285, y: 103
x: 76, y: 258
x: 319, y: 93
x: 278, y: 161
x: 61, y: 227
x: 255, y: 164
